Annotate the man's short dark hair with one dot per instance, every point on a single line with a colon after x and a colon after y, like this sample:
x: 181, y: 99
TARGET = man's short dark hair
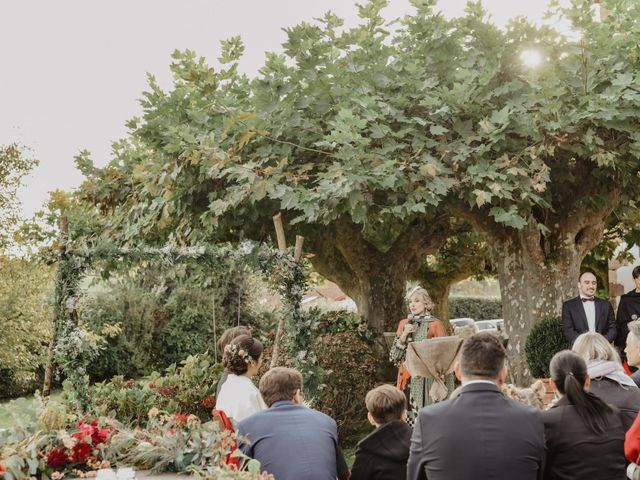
x: 482, y: 356
x: 635, y: 273
x: 587, y: 271
x: 385, y: 403
x: 280, y: 383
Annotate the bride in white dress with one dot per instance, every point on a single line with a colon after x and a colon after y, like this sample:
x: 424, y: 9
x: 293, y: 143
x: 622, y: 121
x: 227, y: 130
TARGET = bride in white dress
x: 239, y: 398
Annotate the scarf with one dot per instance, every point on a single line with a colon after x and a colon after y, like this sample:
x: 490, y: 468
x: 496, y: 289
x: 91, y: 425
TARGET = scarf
x: 418, y: 319
x: 611, y: 370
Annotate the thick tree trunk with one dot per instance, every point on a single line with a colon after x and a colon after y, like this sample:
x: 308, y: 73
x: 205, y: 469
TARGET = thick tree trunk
x: 537, y: 274
x: 379, y: 293
x: 440, y: 296
x: 376, y: 279
x: 530, y: 292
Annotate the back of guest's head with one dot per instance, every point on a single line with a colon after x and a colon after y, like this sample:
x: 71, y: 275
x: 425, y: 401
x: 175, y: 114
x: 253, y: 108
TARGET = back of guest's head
x: 569, y: 373
x: 280, y: 383
x: 482, y: 357
x: 386, y: 403
x: 229, y: 334
x: 634, y: 330
x: 592, y: 346
x: 240, y: 352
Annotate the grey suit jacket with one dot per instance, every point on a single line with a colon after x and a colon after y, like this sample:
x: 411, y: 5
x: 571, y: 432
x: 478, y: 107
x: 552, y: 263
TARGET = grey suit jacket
x: 480, y: 434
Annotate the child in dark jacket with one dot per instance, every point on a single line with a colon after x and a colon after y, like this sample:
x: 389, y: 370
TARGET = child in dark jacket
x: 383, y: 454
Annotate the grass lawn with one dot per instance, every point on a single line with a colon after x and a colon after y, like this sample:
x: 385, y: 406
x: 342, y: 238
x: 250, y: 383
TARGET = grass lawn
x: 20, y: 407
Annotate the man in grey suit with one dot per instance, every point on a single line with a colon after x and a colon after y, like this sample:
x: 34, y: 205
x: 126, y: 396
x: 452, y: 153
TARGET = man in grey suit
x: 291, y: 441
x: 480, y: 433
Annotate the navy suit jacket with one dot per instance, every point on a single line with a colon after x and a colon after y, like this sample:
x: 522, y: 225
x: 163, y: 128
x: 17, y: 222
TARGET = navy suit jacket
x: 480, y: 434
x: 292, y: 442
x: 574, y: 319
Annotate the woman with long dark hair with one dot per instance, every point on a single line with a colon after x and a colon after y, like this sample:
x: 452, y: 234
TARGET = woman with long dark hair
x: 584, y: 435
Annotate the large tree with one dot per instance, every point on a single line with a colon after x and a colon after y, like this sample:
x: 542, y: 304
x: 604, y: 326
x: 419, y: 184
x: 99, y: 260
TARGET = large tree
x: 332, y: 134
x: 379, y: 141
x: 574, y: 120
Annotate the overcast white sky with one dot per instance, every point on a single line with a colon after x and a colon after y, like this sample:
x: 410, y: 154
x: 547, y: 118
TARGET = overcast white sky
x: 72, y: 70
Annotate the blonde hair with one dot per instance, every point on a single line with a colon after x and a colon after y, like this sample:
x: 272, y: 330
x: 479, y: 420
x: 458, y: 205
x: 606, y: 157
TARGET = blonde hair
x: 593, y: 346
x: 423, y: 296
x: 634, y: 329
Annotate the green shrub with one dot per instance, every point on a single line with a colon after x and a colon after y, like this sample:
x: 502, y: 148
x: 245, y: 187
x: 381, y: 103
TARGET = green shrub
x: 188, y: 389
x: 352, y: 365
x: 478, y: 308
x: 153, y: 320
x: 544, y: 341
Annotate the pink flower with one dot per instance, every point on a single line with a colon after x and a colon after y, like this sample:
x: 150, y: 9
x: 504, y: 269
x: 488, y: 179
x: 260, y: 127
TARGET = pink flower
x: 242, y: 353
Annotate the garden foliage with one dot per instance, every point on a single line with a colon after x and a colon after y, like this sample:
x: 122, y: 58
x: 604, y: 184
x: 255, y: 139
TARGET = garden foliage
x: 478, y: 308
x: 26, y: 323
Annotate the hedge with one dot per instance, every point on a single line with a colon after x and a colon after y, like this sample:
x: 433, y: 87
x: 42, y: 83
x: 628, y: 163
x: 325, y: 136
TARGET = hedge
x: 478, y: 308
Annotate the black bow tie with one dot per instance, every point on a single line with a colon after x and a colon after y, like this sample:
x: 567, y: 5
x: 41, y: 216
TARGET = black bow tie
x: 588, y: 299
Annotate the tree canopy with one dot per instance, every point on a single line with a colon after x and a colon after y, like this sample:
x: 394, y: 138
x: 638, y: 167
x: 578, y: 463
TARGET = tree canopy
x: 382, y: 140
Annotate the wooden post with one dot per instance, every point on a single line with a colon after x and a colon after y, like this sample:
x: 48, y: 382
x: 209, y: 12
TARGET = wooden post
x: 297, y: 252
x: 282, y: 246
x: 277, y: 222
x: 48, y: 371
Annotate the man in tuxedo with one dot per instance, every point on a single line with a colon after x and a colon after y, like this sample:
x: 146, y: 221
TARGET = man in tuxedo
x: 290, y: 440
x: 586, y: 313
x: 480, y: 433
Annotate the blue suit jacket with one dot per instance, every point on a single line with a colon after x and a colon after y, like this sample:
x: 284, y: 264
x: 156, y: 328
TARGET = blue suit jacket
x: 292, y: 442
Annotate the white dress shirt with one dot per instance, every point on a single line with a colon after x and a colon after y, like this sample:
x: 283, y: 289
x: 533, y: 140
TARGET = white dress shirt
x: 590, y: 311
x: 239, y: 398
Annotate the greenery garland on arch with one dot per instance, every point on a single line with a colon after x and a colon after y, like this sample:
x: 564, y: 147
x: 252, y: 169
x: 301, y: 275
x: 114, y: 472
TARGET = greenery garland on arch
x: 75, y: 348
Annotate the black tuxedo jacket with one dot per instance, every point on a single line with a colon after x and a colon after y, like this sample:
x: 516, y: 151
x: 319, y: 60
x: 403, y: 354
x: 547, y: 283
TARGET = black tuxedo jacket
x: 480, y: 434
x: 574, y: 319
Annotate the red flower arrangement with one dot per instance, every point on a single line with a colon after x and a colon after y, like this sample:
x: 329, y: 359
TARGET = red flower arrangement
x: 181, y: 418
x: 80, y: 452
x: 209, y: 401
x: 57, y: 458
x: 2, y: 470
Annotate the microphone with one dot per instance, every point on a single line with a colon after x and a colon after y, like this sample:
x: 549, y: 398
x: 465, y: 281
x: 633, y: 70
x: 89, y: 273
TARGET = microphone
x: 411, y: 321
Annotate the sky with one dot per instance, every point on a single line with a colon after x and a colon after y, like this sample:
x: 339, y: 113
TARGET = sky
x: 73, y: 70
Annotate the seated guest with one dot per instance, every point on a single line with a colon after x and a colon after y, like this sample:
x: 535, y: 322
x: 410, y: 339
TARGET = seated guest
x: 584, y: 436
x: 628, y: 309
x: 225, y: 339
x: 291, y: 441
x: 632, y: 350
x: 608, y: 379
x: 632, y: 449
x: 383, y: 454
x: 480, y: 434
x: 239, y: 397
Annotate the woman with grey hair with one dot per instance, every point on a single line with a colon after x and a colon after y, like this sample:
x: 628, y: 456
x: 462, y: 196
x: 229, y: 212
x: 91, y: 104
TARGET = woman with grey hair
x: 419, y: 325
x: 608, y: 379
